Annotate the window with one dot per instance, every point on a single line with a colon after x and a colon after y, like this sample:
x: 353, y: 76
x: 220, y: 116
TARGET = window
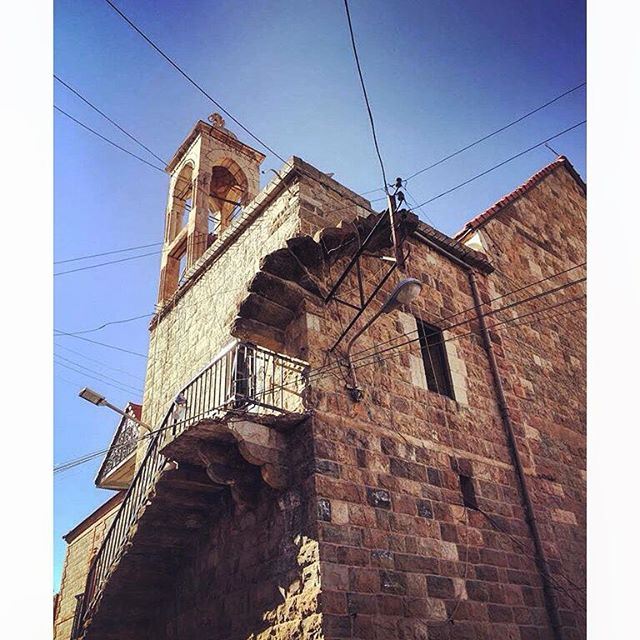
x: 434, y: 357
x: 468, y: 492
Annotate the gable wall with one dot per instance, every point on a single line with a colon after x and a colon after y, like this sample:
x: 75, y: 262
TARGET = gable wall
x: 539, y: 235
x: 80, y: 551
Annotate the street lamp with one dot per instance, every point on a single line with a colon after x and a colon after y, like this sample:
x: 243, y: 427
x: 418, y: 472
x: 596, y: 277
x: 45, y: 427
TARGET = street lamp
x: 100, y: 401
x: 404, y: 292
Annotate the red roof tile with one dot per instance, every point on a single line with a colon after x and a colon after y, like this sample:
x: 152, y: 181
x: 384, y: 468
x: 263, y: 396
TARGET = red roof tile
x: 481, y: 219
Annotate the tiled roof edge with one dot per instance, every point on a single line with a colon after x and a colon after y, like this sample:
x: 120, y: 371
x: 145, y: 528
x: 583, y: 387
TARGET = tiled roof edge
x: 536, y: 178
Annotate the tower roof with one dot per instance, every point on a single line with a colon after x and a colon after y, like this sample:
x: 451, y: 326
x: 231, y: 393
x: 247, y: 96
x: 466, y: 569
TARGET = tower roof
x: 216, y: 129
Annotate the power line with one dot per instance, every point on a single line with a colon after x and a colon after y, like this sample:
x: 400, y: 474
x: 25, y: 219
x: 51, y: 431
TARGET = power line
x: 102, y: 344
x: 415, y: 206
x: 104, y: 264
x: 103, y: 364
x: 230, y: 115
x: 99, y: 373
x: 92, y: 455
x: 497, y: 131
x: 104, y: 115
x: 88, y: 375
x: 107, y: 324
x: 215, y: 294
x: 492, y: 312
x: 190, y: 80
x: 494, y: 299
x: 107, y: 253
x: 364, y: 92
x: 497, y: 166
x: 378, y: 352
x: 113, y: 144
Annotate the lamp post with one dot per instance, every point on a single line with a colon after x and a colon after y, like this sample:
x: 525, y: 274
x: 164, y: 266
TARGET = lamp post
x: 100, y: 401
x: 404, y: 292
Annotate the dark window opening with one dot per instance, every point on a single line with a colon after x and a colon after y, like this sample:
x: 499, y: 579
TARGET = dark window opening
x: 468, y: 492
x: 434, y: 357
x: 182, y: 267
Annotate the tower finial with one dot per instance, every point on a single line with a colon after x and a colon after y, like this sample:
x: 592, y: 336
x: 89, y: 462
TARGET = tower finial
x: 216, y: 120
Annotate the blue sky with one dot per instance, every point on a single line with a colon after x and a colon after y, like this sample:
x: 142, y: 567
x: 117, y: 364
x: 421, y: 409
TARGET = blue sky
x: 439, y: 75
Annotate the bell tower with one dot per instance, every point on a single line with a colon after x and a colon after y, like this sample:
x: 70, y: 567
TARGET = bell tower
x: 213, y: 177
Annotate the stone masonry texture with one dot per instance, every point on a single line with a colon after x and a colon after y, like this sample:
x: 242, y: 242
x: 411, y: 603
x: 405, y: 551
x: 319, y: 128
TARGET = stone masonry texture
x: 82, y: 544
x: 371, y: 540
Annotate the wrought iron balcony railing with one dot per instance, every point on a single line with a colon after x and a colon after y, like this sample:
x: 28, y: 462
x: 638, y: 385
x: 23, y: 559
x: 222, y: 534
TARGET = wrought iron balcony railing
x: 243, y: 377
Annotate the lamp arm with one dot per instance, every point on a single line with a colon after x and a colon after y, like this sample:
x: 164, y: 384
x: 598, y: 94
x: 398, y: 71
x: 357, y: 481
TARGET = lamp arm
x: 356, y: 393
x: 373, y: 318
x: 106, y: 403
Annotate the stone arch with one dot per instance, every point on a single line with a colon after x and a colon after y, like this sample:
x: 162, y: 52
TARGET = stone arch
x: 293, y: 273
x: 228, y: 184
x: 181, y: 201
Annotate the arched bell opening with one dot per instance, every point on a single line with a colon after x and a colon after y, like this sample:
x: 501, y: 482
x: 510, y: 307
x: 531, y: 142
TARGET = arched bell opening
x: 228, y: 194
x: 181, y: 202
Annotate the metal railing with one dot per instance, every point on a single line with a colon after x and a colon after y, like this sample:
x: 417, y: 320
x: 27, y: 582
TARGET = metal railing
x: 242, y: 378
x: 124, y: 444
x: 76, y: 628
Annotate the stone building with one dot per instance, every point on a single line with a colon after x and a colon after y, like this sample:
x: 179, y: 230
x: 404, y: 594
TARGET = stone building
x: 330, y: 459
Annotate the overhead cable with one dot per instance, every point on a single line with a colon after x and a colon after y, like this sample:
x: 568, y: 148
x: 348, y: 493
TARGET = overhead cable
x: 364, y: 92
x: 105, y: 264
x: 111, y: 142
x: 107, y: 253
x: 106, y: 117
x: 497, y: 166
x: 496, y: 132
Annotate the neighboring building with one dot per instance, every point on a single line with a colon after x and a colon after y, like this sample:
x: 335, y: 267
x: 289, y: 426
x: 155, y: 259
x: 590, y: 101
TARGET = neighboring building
x: 83, y: 541
x: 433, y: 489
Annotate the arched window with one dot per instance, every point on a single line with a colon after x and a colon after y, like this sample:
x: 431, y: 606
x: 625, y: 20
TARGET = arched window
x: 181, y: 202
x: 228, y: 193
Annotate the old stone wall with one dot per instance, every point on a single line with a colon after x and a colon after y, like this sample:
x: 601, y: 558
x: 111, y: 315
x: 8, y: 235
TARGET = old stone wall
x: 538, y: 236
x: 80, y: 550
x: 253, y: 573
x: 400, y: 555
x: 189, y: 336
x: 373, y: 540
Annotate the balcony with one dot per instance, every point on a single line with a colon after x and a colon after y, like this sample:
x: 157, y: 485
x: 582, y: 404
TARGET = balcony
x: 118, y: 467
x: 225, y: 432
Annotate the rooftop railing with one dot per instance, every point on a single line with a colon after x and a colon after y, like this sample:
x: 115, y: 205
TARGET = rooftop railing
x: 242, y: 378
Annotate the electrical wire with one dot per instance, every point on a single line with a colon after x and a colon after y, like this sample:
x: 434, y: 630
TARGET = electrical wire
x: 106, y: 117
x: 191, y: 81
x: 497, y: 131
x: 59, y: 332
x: 364, y: 93
x: 101, y: 380
x: 110, y: 262
x: 111, y: 322
x: 230, y: 115
x: 271, y: 389
x: 103, y: 377
x: 501, y: 164
x: 103, y: 364
x: 107, y: 253
x: 111, y: 142
x: 99, y: 373
x: 463, y: 322
x: 215, y: 294
x: 416, y: 206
